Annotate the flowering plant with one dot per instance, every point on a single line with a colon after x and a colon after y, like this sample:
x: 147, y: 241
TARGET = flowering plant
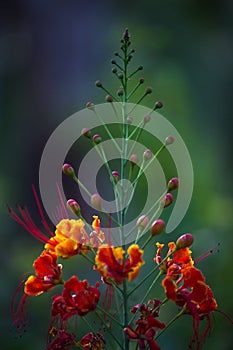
x: 118, y: 258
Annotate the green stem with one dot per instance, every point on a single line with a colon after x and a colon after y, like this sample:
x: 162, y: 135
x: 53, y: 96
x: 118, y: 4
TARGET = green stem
x: 107, y: 130
x: 134, y: 90
x: 147, y: 293
x: 87, y: 258
x: 110, y: 316
x: 123, y: 158
x: 144, y: 279
x: 108, y: 330
x: 74, y: 177
x: 171, y: 322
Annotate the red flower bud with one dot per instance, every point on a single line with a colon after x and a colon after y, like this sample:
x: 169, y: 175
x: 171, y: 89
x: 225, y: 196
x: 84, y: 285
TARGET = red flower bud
x: 148, y: 90
x: 73, y: 206
x: 86, y: 132
x: 167, y: 200
x: 96, y: 201
x: 90, y: 105
x: 173, y: 183
x: 184, y: 241
x: 143, y: 221
x: 146, y: 118
x: 129, y: 119
x: 157, y: 227
x: 97, y: 139
x: 68, y: 169
x: 108, y: 98
x: 98, y: 83
x: 158, y: 104
x: 133, y: 159
x: 147, y: 155
x: 116, y: 175
x: 169, y: 140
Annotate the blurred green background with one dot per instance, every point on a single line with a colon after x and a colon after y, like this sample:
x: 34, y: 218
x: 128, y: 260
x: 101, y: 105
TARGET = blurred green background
x: 51, y: 53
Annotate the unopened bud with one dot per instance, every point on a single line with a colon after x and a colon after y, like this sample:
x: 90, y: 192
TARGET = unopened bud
x: 148, y: 90
x: 108, y: 98
x: 147, y: 155
x: 86, y: 132
x: 98, y: 83
x: 146, y: 118
x: 173, y: 183
x: 73, y: 206
x: 96, y: 201
x: 142, y: 221
x: 120, y: 76
x: 90, y: 105
x: 97, y: 139
x: 133, y: 159
x: 120, y: 92
x: 157, y: 227
x: 158, y: 105
x: 129, y: 119
x: 167, y: 200
x: 184, y: 241
x: 116, y: 175
x: 140, y: 67
x: 141, y: 80
x: 114, y: 70
x: 68, y: 169
x: 169, y: 140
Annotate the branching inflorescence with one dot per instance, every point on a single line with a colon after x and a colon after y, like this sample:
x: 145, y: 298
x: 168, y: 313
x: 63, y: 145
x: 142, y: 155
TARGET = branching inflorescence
x: 118, y: 322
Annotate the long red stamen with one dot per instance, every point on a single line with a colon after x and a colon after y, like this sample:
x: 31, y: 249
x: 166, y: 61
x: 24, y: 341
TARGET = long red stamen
x: 28, y: 223
x: 62, y: 201
x: 19, y: 314
x: 46, y: 226
x: 205, y: 255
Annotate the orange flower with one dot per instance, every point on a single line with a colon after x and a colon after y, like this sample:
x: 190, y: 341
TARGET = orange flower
x: 70, y: 238
x: 48, y: 274
x: 185, y: 285
x: 111, y: 265
x: 97, y: 236
x: 180, y: 257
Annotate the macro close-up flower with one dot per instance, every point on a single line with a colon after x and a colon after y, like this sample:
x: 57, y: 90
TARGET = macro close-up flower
x: 113, y: 265
x: 47, y: 274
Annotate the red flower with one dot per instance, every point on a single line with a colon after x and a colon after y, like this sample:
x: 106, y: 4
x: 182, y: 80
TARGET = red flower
x: 62, y: 341
x: 78, y: 298
x: 93, y: 341
x: 111, y: 265
x: 48, y: 274
x: 146, y: 326
x: 185, y: 285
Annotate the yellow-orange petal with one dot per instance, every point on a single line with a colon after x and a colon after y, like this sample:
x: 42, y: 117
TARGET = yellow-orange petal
x: 136, y: 261
x: 35, y: 286
x: 67, y: 248
x: 73, y: 229
x: 96, y: 224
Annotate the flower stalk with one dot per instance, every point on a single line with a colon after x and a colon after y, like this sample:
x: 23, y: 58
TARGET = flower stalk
x: 116, y: 265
